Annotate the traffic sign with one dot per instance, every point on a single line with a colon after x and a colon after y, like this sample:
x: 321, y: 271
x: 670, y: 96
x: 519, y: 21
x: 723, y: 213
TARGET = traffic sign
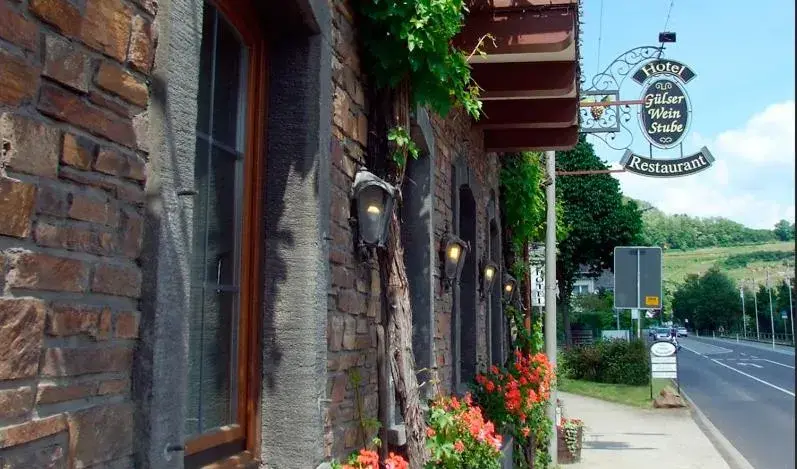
x: 637, y: 277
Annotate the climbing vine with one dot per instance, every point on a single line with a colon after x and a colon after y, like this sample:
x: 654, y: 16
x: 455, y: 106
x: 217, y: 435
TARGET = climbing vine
x: 411, y: 61
x: 412, y: 40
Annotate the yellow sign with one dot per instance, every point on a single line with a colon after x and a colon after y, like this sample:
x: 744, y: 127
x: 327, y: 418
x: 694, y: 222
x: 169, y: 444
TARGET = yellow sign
x: 651, y: 301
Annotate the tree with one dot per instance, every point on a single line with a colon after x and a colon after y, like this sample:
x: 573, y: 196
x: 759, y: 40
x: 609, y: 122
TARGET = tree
x: 709, y: 301
x: 597, y: 219
x: 784, y: 230
x: 594, y: 310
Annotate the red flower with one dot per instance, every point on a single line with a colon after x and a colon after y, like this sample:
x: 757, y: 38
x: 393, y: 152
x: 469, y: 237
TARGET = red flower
x: 459, y: 446
x: 395, y: 461
x: 430, y: 432
x: 369, y: 459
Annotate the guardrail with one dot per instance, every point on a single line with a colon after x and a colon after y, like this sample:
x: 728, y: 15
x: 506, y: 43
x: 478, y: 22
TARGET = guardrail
x: 764, y: 337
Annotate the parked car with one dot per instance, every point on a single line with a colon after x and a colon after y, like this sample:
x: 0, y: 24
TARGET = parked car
x: 662, y: 333
x: 682, y: 332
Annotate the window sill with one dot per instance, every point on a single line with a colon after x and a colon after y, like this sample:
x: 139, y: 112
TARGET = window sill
x: 242, y: 460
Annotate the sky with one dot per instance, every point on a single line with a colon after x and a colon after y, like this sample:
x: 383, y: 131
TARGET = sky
x: 742, y: 101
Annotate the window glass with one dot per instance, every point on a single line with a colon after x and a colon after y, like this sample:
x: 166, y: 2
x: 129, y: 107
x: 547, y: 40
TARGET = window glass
x: 215, y: 252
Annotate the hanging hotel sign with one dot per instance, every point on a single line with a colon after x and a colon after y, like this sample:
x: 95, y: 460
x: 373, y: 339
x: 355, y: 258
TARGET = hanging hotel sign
x: 683, y: 166
x: 664, y: 118
x: 665, y: 113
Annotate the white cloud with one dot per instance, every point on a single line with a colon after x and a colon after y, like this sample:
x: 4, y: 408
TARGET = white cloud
x: 751, y: 181
x: 766, y: 139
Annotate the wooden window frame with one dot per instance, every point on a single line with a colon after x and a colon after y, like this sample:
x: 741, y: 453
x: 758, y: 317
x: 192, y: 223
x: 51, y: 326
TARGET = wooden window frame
x: 244, y: 17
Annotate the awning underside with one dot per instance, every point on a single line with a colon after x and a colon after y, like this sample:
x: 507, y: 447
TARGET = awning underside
x: 529, y: 74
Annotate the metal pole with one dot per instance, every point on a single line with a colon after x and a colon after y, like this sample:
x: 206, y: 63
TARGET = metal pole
x: 550, y: 290
x: 755, y: 303
x: 744, y: 318
x: 638, y: 292
x: 791, y: 311
x: 771, y: 314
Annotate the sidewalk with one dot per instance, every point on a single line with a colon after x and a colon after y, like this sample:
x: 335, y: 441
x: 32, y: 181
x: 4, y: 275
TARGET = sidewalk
x: 622, y: 437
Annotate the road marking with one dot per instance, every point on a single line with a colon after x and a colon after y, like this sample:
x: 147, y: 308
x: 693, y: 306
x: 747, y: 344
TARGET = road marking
x: 753, y: 377
x: 776, y: 363
x: 710, y: 349
x: 750, y: 364
x: 693, y: 351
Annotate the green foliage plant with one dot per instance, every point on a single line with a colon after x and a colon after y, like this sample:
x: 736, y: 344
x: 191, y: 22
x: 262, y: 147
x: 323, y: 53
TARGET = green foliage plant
x: 367, y: 425
x: 412, y: 40
x: 608, y: 361
x: 570, y: 431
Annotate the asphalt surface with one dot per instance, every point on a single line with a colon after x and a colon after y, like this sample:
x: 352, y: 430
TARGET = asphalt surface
x: 747, y: 392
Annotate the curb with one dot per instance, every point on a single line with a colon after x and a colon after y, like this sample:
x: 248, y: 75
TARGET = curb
x: 726, y: 449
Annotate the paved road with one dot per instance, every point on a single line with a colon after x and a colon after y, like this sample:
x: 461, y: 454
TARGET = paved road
x: 747, y: 392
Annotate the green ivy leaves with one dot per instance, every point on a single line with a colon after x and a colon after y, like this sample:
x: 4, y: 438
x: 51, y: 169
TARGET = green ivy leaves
x: 412, y: 38
x: 404, y: 145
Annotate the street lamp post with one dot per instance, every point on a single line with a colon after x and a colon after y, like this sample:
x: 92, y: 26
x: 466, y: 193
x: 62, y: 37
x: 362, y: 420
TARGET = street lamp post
x: 755, y: 303
x: 771, y: 313
x: 791, y: 309
x: 550, y: 290
x: 744, y: 318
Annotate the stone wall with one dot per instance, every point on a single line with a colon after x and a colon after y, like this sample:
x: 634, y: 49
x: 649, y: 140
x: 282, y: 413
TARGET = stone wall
x: 354, y: 308
x: 73, y: 98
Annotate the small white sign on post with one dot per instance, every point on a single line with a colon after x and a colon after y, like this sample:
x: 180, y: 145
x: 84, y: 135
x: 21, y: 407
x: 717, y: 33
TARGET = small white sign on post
x: 538, y: 286
x: 663, y: 362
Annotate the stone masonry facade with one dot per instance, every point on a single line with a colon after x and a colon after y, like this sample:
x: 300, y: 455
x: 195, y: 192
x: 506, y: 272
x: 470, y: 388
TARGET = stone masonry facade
x: 354, y: 296
x: 73, y: 99
x: 74, y: 93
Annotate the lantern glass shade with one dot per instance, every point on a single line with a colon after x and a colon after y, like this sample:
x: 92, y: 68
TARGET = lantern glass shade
x: 509, y: 287
x: 489, y: 271
x: 374, y: 202
x: 454, y: 258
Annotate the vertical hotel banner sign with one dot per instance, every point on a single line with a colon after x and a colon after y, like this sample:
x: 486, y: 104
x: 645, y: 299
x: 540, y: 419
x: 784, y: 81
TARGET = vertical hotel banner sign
x: 664, y: 118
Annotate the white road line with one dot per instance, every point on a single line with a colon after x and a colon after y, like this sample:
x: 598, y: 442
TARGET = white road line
x: 776, y: 363
x: 750, y: 364
x: 753, y: 377
x: 693, y: 351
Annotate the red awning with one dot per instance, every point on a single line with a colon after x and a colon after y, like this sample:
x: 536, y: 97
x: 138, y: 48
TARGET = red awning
x: 529, y: 74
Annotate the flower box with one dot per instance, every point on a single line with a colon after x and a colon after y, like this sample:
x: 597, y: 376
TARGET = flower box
x: 566, y: 454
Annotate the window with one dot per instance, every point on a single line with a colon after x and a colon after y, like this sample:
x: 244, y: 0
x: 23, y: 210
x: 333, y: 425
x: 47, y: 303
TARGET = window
x: 227, y: 169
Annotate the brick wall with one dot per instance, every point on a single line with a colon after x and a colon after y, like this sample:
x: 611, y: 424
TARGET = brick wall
x: 455, y: 138
x: 73, y: 97
x: 354, y: 295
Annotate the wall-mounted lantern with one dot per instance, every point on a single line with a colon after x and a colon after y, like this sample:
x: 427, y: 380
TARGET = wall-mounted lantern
x: 454, y: 252
x: 373, y: 200
x: 509, y: 287
x: 489, y: 272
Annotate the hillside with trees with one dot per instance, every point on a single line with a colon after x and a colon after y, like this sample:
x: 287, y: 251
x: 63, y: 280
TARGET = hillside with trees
x: 685, y: 232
